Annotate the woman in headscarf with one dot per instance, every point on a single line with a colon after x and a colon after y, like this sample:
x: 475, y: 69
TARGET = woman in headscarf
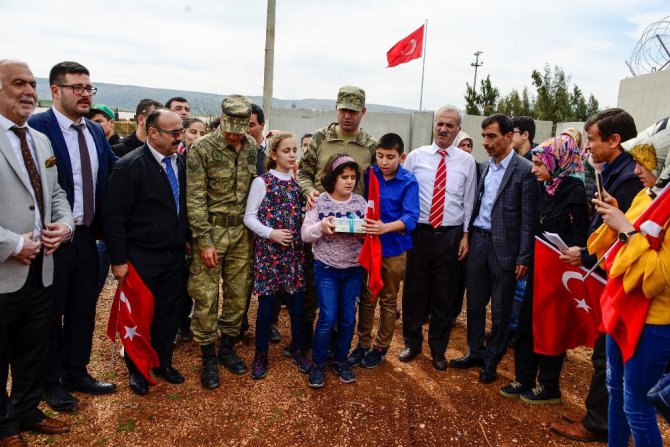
x: 562, y: 209
x: 641, y: 267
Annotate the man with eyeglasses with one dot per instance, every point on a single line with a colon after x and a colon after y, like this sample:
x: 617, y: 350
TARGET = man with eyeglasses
x: 84, y: 160
x: 522, y: 138
x: 146, y: 226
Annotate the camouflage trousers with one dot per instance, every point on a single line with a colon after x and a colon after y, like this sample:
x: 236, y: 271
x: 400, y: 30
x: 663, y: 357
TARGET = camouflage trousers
x: 234, y: 251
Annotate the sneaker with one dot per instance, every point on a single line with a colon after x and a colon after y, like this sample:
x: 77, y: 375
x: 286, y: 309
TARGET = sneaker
x: 344, y: 371
x: 303, y: 362
x: 316, y: 376
x: 373, y: 358
x: 540, y: 395
x: 356, y: 356
x: 259, y: 368
x: 514, y: 389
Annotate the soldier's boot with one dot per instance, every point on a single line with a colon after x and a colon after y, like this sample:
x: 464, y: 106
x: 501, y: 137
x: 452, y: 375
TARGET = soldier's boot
x: 228, y: 357
x: 209, y: 375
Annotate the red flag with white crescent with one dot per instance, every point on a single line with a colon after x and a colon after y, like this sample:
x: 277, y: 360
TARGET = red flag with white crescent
x: 409, y: 48
x: 370, y: 257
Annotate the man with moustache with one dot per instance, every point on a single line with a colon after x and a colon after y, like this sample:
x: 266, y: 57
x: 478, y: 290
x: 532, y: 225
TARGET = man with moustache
x: 146, y: 226
x: 35, y: 220
x: 84, y: 160
x: 446, y: 177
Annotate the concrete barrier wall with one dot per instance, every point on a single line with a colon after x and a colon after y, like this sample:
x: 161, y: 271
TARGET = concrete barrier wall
x: 646, y: 97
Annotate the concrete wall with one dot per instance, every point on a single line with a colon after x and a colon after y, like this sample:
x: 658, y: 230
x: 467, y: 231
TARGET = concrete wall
x: 646, y: 97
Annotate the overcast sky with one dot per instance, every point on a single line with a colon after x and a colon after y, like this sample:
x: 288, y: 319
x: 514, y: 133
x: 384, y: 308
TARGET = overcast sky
x: 217, y: 46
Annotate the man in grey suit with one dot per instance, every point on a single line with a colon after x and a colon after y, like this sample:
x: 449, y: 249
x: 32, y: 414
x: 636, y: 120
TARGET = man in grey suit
x: 501, y: 245
x: 35, y: 220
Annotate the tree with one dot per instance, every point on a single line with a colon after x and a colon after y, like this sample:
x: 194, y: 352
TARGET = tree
x: 471, y: 107
x: 484, y: 102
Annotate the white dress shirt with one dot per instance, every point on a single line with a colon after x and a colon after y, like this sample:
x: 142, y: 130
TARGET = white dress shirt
x: 173, y: 161
x: 461, y: 183
x: 492, y: 182
x: 71, y: 138
x: 256, y: 196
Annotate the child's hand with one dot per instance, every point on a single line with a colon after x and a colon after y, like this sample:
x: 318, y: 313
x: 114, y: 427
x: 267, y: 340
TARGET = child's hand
x: 311, y: 200
x: 328, y: 225
x: 374, y: 227
x: 282, y: 237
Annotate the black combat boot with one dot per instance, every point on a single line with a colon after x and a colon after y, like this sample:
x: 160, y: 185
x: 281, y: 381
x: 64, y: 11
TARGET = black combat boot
x: 228, y: 357
x: 209, y: 375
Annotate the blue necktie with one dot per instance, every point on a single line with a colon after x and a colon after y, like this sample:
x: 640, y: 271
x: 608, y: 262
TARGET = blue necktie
x: 172, y: 178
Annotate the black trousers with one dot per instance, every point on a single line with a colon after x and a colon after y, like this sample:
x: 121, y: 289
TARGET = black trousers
x: 25, y: 320
x: 487, y: 280
x: 163, y: 273
x: 431, y: 283
x: 76, y: 271
x: 527, y: 364
x: 187, y: 303
x: 597, y: 401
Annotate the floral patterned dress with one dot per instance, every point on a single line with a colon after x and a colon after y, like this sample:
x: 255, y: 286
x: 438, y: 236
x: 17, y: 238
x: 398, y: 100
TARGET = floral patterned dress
x: 278, y: 267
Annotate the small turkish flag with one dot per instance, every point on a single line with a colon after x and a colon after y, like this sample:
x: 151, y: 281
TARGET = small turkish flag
x: 370, y: 257
x: 566, y: 308
x: 409, y: 48
x: 131, y: 316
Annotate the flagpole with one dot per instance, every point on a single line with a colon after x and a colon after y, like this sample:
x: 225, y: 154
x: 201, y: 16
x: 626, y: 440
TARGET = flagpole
x: 423, y: 64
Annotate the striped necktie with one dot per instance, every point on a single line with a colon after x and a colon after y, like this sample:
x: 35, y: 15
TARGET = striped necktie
x: 439, y: 191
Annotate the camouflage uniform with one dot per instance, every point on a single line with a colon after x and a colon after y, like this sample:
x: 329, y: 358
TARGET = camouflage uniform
x: 218, y: 180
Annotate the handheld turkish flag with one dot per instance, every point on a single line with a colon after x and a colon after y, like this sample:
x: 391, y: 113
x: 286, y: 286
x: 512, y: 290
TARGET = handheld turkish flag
x: 409, y: 48
x: 370, y: 257
x: 624, y: 314
x: 566, y: 308
x: 131, y: 316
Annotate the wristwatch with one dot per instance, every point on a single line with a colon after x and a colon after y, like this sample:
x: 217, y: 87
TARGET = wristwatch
x: 623, y: 236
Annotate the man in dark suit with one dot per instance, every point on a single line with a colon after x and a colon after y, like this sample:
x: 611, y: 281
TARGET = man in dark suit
x: 84, y: 160
x: 34, y: 221
x: 146, y: 225
x: 501, y: 245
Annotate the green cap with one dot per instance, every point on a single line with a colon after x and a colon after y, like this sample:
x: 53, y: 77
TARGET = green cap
x: 351, y: 98
x: 236, y: 111
x: 109, y: 113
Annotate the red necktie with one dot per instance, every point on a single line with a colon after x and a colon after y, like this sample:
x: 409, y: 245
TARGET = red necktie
x: 439, y: 191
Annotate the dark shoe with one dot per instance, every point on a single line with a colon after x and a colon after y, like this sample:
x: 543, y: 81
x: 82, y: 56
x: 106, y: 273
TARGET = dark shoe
x: 275, y: 336
x: 59, y: 399
x: 408, y: 354
x: 170, y: 375
x: 573, y: 417
x: 286, y: 352
x: 439, y: 362
x: 659, y: 396
x: 373, y: 358
x: 514, y: 389
x: 183, y: 334
x: 13, y: 441
x: 87, y: 384
x: 488, y: 374
x: 356, y: 356
x: 467, y: 361
x: 138, y: 384
x: 540, y: 395
x: 50, y: 426
x: 344, y: 371
x: 317, y: 376
x: 209, y: 374
x: 229, y: 358
x: 575, y: 431
x: 303, y: 362
x: 259, y: 368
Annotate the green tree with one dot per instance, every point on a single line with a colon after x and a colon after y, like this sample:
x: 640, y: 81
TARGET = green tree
x: 471, y: 107
x: 483, y: 102
x: 578, y: 104
x: 593, y: 107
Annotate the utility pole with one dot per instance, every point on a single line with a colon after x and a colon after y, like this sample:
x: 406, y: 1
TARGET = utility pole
x: 269, y: 58
x: 476, y: 64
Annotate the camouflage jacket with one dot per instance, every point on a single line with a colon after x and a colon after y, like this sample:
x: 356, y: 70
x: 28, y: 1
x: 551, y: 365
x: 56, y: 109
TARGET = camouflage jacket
x: 217, y: 182
x: 324, y: 144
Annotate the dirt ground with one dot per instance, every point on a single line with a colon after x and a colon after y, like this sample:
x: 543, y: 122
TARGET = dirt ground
x: 396, y: 404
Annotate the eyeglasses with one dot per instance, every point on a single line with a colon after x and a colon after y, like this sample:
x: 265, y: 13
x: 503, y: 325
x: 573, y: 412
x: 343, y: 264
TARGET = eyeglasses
x: 174, y: 133
x: 78, y: 89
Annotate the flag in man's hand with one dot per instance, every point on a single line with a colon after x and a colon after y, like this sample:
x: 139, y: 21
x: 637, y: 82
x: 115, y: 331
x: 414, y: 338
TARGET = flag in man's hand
x: 131, y: 316
x: 409, y: 48
x: 370, y: 257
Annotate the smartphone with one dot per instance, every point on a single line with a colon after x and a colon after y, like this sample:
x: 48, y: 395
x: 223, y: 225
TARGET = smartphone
x: 599, y: 186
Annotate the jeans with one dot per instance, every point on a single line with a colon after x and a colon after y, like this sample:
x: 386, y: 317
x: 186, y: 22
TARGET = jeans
x: 103, y: 254
x: 629, y: 410
x: 265, y: 314
x: 336, y: 291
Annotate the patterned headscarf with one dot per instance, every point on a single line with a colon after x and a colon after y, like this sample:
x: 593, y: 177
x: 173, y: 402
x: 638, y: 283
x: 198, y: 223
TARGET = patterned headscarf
x: 562, y: 155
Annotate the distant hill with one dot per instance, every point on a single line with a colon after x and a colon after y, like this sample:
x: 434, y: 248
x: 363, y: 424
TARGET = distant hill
x: 126, y: 97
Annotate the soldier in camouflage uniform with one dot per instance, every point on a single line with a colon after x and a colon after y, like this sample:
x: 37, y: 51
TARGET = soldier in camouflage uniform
x: 221, y: 167
x: 344, y: 137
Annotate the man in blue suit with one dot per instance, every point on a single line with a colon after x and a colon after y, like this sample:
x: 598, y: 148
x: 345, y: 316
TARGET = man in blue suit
x: 84, y: 160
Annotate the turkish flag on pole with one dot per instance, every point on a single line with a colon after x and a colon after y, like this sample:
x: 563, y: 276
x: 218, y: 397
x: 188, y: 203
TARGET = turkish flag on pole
x: 409, y: 48
x: 131, y: 316
x: 566, y: 308
x: 370, y: 257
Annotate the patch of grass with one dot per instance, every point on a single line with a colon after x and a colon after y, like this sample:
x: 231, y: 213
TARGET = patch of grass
x: 101, y: 441
x: 276, y: 412
x: 51, y: 440
x: 127, y: 427
x: 297, y: 393
x: 173, y: 396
